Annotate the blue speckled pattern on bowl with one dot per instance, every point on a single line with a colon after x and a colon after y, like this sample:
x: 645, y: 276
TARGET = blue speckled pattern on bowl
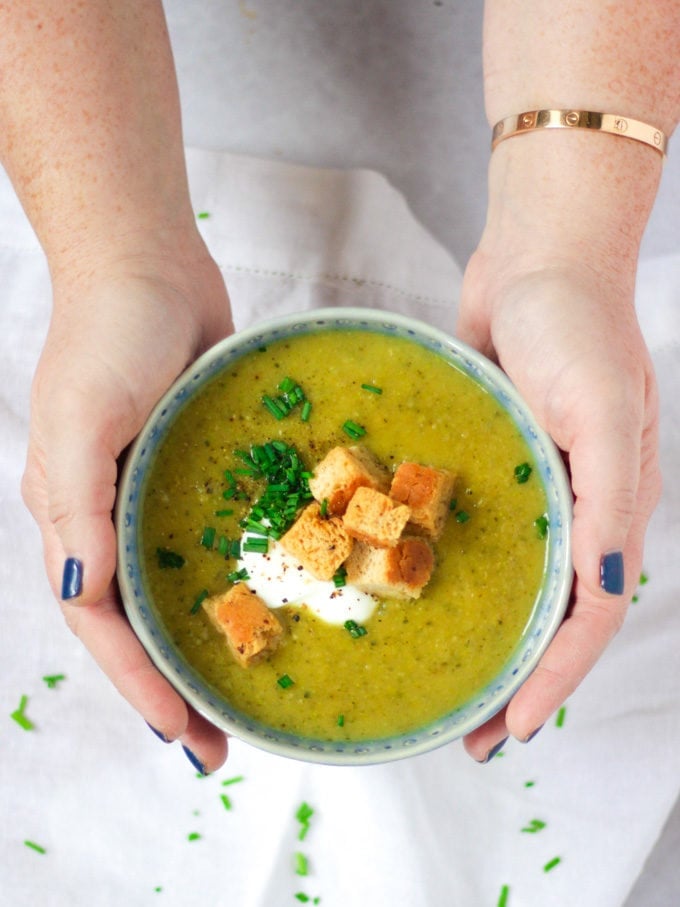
x: 548, y: 611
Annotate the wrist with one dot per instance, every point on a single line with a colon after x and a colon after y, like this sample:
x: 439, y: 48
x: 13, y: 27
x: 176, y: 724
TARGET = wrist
x: 573, y: 198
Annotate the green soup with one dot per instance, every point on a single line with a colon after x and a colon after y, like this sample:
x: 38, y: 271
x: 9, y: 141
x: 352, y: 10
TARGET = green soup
x: 418, y: 659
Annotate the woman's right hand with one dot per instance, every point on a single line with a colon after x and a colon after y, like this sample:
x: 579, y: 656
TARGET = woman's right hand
x: 120, y: 333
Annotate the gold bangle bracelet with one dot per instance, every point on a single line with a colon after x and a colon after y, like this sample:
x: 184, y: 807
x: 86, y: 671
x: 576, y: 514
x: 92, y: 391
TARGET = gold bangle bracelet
x: 579, y: 119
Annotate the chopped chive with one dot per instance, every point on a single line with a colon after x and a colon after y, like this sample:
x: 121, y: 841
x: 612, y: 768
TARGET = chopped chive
x: 522, y: 473
x: 462, y: 516
x: 37, y: 847
x: 256, y: 544
x: 203, y: 215
x: 354, y: 629
x: 551, y: 864
x: 529, y: 783
x: 226, y: 512
x: 235, y: 780
x: 208, y: 536
x: 534, y: 826
x: 223, y: 546
x: 302, y: 897
x: 226, y: 802
x: 53, y: 679
x: 453, y: 504
x: 503, y: 896
x: 371, y: 388
x: 169, y: 559
x: 193, y: 836
x: 200, y: 598
x: 541, y: 524
x: 301, y: 864
x: 19, y: 715
x: 341, y: 721
x: 235, y: 549
x: 559, y: 720
x: 306, y: 411
x: 323, y: 508
x: 340, y: 577
x: 285, y: 681
x: 287, y: 385
x: 237, y: 576
x: 353, y: 429
x: 273, y: 407
x: 643, y: 579
x: 303, y: 815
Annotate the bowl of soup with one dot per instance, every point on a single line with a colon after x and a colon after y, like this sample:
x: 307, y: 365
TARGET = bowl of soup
x: 343, y: 537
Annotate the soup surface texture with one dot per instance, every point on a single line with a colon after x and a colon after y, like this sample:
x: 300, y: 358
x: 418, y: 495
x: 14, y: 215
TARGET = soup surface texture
x: 418, y: 660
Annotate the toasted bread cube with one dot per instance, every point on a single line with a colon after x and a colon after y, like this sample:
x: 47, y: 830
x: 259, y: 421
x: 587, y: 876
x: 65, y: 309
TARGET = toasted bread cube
x: 427, y: 491
x: 320, y: 543
x: 398, y: 572
x: 342, y: 471
x: 252, y: 629
x: 375, y: 518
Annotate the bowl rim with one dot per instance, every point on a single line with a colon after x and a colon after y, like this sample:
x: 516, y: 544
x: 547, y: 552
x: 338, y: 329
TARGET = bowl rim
x: 188, y: 682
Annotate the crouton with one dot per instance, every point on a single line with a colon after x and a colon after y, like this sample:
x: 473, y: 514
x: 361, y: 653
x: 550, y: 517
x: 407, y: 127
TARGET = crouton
x: 375, y: 518
x: 342, y: 471
x: 398, y: 572
x: 320, y: 543
x: 252, y: 630
x: 427, y: 491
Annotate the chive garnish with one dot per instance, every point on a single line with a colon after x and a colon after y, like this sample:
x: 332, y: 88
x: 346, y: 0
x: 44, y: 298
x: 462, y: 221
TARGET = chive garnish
x: 200, y: 598
x: 53, y: 679
x: 237, y: 576
x: 522, y: 473
x: 255, y: 545
x: 169, y: 559
x: 19, y: 715
x: 453, y: 504
x: 561, y: 713
x: 302, y: 897
x: 226, y: 802
x: 303, y: 815
x: 541, y: 524
x: 353, y: 429
x: 301, y: 864
x: 503, y: 896
x: 340, y: 577
x: 225, y: 512
x: 203, y: 215
x: 371, y: 388
x: 323, y: 508
x: 534, y: 826
x: 306, y: 411
x: 208, y: 536
x: 462, y: 516
x: 37, y: 847
x: 341, y: 721
x: 551, y: 864
x: 354, y: 629
x: 285, y: 681
x: 235, y: 780
x: 193, y: 836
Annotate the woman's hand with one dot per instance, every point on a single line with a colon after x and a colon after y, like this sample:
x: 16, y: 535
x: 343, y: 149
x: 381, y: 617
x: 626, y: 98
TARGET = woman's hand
x: 120, y: 333
x: 568, y: 338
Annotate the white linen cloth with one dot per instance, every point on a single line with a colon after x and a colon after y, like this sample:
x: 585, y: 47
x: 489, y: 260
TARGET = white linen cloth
x: 114, y: 807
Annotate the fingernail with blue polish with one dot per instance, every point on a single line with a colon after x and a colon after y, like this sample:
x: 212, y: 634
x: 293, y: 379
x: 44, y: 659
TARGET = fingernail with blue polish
x: 532, y: 735
x: 494, y: 751
x: 195, y: 761
x: 611, y: 573
x: 72, y: 578
x: 160, y: 735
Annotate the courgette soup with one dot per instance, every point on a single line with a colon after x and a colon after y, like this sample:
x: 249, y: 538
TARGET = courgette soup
x: 405, y: 663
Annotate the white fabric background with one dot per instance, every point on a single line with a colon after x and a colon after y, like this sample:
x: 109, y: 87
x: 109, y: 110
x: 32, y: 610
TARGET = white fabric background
x: 111, y: 804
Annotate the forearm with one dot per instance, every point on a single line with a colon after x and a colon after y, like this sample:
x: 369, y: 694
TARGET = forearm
x: 571, y: 194
x: 91, y: 134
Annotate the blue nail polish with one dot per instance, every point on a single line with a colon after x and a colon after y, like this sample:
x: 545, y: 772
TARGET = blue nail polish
x: 158, y: 733
x: 611, y: 573
x: 532, y: 735
x: 72, y: 578
x: 494, y: 751
x: 195, y: 761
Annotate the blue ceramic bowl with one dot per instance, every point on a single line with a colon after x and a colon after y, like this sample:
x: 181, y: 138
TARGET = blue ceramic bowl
x: 550, y: 604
